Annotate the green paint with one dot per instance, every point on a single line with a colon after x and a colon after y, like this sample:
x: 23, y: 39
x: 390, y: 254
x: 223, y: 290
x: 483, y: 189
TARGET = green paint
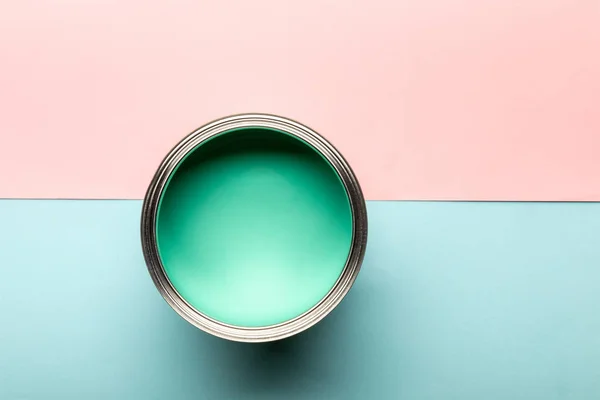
x: 254, y: 227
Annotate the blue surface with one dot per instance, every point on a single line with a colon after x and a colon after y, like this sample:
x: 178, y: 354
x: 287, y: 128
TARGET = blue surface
x: 455, y: 301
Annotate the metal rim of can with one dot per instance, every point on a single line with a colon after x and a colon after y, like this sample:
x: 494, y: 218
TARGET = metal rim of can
x: 335, y: 294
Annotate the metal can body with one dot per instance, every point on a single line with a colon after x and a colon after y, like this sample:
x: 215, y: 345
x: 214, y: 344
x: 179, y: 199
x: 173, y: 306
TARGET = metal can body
x: 300, y: 322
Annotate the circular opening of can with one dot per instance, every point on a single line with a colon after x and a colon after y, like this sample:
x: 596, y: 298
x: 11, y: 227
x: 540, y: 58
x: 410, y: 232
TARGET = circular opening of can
x: 254, y: 227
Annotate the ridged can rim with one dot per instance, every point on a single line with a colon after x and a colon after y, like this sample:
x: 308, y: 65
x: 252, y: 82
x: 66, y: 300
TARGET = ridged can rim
x: 328, y: 302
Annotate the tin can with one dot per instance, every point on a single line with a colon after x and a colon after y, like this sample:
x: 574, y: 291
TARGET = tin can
x: 247, y: 234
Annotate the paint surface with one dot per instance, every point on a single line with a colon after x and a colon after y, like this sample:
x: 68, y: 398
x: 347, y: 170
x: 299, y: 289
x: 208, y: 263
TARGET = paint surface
x: 254, y: 228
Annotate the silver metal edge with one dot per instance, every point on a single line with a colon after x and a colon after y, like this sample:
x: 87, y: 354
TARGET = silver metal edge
x: 331, y: 299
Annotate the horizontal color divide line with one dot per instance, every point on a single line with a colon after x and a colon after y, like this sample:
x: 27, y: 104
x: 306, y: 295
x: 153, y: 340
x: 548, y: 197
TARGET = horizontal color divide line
x: 368, y: 200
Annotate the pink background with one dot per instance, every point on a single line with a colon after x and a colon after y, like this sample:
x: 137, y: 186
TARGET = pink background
x: 428, y: 99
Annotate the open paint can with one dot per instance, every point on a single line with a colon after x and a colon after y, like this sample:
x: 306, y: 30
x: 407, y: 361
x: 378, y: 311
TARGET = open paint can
x: 254, y: 228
